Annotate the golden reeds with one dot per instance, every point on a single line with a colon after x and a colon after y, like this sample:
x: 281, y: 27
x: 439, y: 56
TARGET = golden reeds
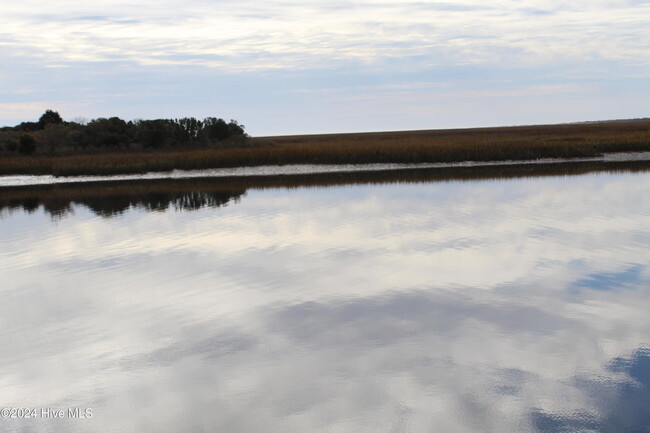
x: 479, y: 144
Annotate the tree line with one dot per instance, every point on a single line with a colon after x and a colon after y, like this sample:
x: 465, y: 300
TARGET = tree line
x: 51, y: 134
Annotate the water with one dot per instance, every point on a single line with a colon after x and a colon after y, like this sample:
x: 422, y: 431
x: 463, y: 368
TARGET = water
x: 494, y: 305
x: 278, y: 170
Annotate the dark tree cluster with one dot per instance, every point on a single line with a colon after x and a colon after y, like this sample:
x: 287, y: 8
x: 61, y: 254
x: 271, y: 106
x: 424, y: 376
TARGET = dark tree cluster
x: 113, y: 205
x: 52, y: 135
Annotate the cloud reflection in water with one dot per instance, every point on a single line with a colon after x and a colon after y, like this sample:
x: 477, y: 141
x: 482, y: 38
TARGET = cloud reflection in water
x: 459, y: 306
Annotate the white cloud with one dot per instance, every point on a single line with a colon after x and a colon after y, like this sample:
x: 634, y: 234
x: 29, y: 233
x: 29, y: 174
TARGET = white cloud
x: 390, y: 65
x: 251, y: 35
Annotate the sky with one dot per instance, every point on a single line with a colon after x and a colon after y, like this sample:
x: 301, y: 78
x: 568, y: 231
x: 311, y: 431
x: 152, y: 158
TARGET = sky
x: 315, y: 66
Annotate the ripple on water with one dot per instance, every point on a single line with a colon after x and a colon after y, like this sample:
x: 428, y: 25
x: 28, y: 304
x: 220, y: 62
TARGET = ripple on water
x: 510, y: 305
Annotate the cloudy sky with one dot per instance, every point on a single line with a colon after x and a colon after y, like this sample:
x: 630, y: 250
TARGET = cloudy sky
x: 310, y: 66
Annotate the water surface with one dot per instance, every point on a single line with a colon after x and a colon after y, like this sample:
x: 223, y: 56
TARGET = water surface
x: 491, y: 305
x: 304, y: 169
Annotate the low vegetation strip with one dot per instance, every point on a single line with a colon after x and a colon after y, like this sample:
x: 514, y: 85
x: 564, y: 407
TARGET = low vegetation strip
x: 480, y: 144
x: 108, y: 199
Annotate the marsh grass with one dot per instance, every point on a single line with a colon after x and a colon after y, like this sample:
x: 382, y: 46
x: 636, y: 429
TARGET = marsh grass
x: 479, y: 144
x: 108, y: 199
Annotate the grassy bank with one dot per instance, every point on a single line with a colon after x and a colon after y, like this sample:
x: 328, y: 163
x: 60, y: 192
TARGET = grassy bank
x: 108, y: 199
x: 480, y: 144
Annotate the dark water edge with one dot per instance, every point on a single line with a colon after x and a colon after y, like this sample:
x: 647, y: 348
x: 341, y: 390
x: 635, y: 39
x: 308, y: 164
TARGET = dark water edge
x: 107, y: 199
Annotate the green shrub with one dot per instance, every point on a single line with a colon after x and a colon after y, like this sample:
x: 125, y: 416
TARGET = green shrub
x: 11, y: 145
x: 50, y: 117
x: 26, y: 144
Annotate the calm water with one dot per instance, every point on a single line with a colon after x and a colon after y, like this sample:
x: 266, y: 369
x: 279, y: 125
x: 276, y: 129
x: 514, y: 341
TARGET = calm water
x: 513, y: 305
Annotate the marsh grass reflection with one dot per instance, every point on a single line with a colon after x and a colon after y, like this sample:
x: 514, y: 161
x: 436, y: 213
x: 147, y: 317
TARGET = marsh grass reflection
x: 115, y: 200
x: 110, y: 198
x: 481, y: 299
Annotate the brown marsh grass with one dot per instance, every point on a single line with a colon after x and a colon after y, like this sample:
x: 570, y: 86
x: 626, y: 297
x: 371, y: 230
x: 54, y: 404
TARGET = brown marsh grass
x: 478, y: 144
x: 112, y: 198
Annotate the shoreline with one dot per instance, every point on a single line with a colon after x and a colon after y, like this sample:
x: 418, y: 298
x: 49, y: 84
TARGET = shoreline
x: 107, y: 199
x: 8, y: 181
x: 507, y: 145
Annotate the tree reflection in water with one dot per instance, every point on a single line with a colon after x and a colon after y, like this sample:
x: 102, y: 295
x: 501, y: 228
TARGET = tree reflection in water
x: 108, y: 199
